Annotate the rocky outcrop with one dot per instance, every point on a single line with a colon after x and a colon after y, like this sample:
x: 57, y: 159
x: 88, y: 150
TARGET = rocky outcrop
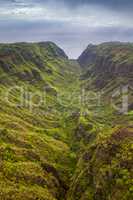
x: 112, y: 58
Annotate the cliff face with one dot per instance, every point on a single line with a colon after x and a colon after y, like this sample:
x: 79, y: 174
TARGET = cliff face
x: 108, y: 67
x: 88, y: 56
x: 113, y: 58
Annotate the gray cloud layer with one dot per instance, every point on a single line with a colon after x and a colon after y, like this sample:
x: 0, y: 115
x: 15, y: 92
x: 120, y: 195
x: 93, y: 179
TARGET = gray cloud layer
x: 71, y: 24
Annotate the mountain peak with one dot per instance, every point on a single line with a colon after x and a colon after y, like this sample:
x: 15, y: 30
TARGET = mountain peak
x: 55, y: 49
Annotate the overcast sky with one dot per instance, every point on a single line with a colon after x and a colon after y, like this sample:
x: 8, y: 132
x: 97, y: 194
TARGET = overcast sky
x: 72, y: 24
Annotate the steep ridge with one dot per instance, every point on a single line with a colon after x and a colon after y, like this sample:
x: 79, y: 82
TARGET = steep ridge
x: 56, y: 141
x: 108, y: 67
x: 105, y: 131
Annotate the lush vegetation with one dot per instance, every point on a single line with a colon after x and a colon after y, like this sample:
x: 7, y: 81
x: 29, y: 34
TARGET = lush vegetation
x: 56, y: 141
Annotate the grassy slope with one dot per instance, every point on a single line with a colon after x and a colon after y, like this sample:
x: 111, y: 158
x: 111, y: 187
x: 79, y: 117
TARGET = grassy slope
x: 36, y: 160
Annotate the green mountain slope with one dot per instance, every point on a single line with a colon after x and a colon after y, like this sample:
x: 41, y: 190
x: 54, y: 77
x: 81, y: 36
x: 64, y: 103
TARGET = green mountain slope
x: 105, y: 132
x: 36, y: 160
x: 56, y: 141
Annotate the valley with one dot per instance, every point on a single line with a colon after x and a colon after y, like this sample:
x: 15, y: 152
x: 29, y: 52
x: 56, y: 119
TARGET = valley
x: 66, y: 131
